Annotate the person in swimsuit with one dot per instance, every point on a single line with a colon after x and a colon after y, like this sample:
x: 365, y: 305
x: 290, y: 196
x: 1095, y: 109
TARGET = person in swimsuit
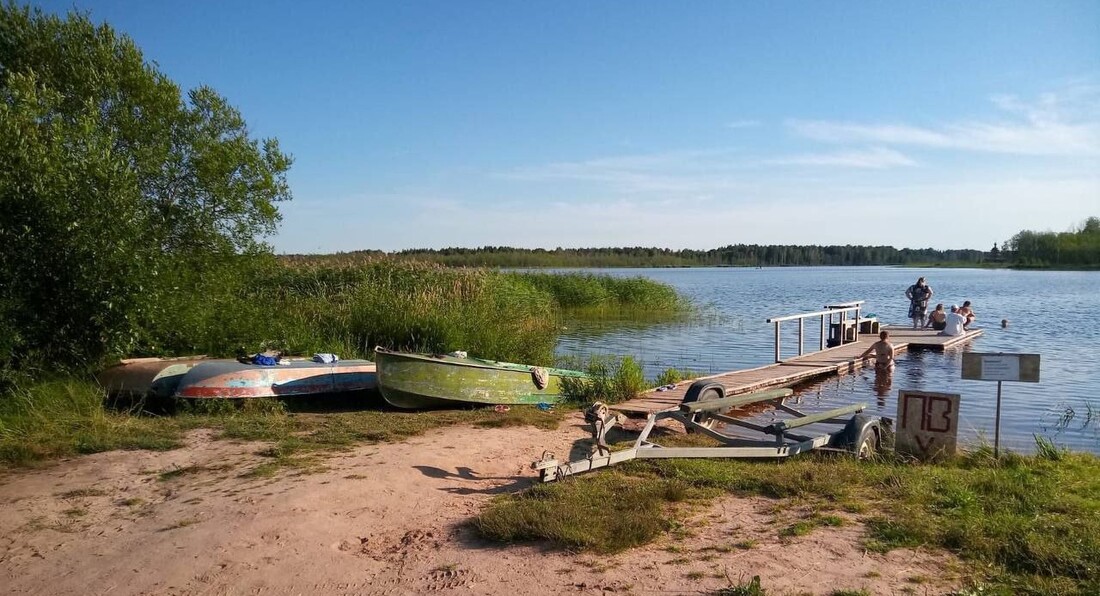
x: 883, y: 352
x: 918, y: 295
x: 937, y: 319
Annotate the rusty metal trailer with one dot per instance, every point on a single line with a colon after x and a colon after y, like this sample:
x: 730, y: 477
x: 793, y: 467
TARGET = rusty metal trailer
x: 701, y: 411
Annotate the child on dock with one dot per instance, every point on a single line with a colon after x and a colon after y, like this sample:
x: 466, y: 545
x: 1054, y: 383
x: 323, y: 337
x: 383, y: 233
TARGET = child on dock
x: 883, y: 351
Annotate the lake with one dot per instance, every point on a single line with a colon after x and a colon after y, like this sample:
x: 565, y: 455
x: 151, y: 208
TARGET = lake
x: 1049, y: 313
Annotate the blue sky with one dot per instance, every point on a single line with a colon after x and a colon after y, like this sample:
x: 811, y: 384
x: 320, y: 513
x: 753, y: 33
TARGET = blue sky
x: 674, y: 124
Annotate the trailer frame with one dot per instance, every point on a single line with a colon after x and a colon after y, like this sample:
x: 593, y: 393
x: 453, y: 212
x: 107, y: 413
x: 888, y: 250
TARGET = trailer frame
x: 700, y: 411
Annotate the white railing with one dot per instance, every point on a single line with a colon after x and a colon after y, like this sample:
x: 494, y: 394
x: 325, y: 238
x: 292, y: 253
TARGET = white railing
x: 841, y: 310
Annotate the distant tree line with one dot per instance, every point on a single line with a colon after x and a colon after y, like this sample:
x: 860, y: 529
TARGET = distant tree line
x: 737, y: 255
x: 1077, y: 248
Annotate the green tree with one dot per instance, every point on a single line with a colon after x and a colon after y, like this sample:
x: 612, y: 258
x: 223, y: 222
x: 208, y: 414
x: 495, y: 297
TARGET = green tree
x: 114, y: 187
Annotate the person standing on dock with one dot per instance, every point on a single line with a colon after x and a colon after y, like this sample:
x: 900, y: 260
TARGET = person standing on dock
x: 918, y: 294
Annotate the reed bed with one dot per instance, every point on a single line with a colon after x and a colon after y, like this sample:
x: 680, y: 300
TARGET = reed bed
x: 405, y: 305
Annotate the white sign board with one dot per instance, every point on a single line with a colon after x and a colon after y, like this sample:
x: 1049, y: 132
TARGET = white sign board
x: 978, y: 366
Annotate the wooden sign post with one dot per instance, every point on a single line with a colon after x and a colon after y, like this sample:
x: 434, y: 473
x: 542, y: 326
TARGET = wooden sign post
x: 1000, y: 367
x: 928, y: 423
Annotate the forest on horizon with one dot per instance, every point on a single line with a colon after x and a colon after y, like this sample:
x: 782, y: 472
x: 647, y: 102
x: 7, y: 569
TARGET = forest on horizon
x: 1078, y: 248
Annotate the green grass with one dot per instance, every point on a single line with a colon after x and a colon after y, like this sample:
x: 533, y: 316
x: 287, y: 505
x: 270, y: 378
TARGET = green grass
x: 67, y: 417
x: 805, y: 526
x: 751, y: 587
x: 605, y: 513
x: 1028, y: 525
x: 610, y: 380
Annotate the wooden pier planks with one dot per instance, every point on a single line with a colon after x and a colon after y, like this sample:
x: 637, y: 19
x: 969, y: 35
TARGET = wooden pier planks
x: 838, y: 360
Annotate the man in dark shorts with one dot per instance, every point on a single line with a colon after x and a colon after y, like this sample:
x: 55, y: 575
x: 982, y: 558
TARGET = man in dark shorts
x: 918, y: 294
x: 937, y: 319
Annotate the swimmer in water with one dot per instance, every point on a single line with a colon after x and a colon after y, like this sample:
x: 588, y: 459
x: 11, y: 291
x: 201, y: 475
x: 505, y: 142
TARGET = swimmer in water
x: 883, y: 352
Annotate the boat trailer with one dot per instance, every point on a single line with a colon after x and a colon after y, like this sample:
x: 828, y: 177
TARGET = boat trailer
x: 702, y: 409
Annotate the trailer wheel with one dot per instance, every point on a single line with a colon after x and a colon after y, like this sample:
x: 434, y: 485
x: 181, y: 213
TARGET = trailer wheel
x: 703, y: 391
x: 866, y: 443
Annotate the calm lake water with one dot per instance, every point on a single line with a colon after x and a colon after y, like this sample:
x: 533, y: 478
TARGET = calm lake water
x: 1051, y: 313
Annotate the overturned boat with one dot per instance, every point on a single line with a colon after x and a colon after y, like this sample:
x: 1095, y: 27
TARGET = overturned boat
x: 420, y: 381
x: 230, y: 379
x: 137, y: 378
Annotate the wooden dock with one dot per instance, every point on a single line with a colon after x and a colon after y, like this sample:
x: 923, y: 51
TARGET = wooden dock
x: 839, y: 360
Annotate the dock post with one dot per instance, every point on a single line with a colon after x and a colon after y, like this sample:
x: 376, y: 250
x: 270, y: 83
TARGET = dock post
x: 800, y: 332
x: 857, y: 324
x: 777, y: 353
x: 997, y: 426
x: 823, y: 331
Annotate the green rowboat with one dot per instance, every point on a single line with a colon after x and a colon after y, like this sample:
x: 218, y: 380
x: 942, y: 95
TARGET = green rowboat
x: 419, y: 381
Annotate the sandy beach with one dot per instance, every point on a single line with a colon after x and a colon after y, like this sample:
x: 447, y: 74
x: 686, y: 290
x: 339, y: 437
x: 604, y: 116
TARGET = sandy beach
x: 386, y: 519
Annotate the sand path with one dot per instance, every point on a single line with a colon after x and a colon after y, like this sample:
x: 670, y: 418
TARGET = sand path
x: 381, y: 519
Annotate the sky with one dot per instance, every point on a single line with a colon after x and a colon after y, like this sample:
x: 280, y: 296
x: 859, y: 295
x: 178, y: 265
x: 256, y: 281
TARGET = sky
x: 429, y: 124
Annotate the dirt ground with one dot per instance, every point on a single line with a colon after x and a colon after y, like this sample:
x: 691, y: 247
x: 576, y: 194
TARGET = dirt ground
x: 384, y: 519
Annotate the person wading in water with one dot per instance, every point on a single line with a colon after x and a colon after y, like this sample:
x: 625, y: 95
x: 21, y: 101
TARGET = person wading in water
x: 883, y: 351
x: 918, y: 294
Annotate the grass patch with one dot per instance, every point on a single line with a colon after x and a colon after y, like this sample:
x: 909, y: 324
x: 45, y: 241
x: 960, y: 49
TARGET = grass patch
x: 610, y: 380
x: 65, y: 417
x: 805, y: 526
x: 605, y: 513
x: 1028, y: 524
x: 751, y: 587
x: 671, y: 376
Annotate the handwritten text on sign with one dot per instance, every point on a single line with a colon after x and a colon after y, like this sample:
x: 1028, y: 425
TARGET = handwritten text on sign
x: 928, y: 423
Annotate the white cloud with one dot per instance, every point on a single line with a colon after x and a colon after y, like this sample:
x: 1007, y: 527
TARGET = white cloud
x: 876, y: 158
x: 677, y: 172
x: 1064, y: 123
